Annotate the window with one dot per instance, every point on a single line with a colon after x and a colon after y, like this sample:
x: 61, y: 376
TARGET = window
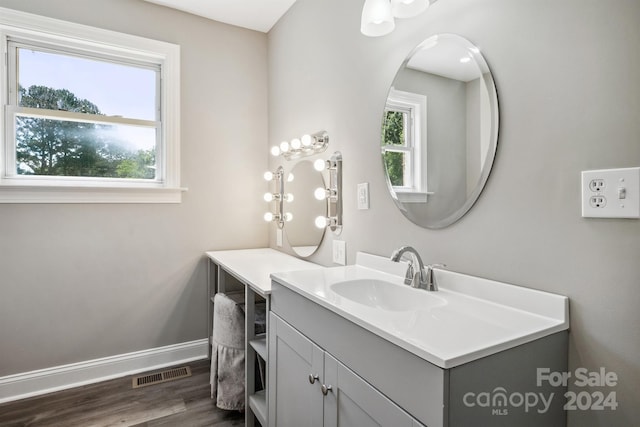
x: 90, y: 115
x: 403, y: 150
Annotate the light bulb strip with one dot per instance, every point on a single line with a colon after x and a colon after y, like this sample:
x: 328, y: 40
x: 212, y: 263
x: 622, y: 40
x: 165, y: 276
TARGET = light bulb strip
x: 335, y: 185
x: 333, y: 195
x: 307, y: 145
x: 278, y: 197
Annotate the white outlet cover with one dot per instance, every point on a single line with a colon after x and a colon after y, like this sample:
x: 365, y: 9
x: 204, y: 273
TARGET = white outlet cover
x: 611, y: 193
x: 363, y: 195
x: 340, y: 252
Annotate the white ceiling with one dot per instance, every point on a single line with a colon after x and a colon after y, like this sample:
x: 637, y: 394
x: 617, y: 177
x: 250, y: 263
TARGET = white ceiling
x: 442, y: 56
x: 259, y: 15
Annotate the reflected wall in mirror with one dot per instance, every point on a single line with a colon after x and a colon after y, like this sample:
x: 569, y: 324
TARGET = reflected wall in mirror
x: 302, y: 233
x: 440, y: 130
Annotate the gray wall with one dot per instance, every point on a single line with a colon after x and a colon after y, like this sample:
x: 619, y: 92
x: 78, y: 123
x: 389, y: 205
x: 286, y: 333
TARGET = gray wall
x: 85, y: 281
x: 567, y: 77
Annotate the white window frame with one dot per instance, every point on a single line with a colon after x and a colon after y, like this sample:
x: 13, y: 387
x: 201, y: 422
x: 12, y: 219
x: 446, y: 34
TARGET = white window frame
x: 102, y: 44
x: 415, y: 105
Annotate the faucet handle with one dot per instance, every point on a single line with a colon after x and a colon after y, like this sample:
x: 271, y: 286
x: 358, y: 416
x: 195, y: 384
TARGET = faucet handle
x: 431, y: 284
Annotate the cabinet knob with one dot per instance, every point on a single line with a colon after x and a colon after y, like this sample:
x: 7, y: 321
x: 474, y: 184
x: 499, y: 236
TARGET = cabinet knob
x: 325, y: 389
x: 312, y: 378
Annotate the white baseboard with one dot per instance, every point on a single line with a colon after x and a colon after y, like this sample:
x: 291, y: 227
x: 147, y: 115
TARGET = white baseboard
x: 42, y: 381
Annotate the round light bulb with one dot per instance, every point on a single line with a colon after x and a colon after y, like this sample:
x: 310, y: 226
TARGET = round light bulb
x: 290, y: 177
x: 275, y: 150
x: 268, y: 197
x: 319, y: 165
x: 320, y: 193
x: 268, y: 176
x: 288, y: 197
x: 306, y: 140
x: 295, y: 143
x: 268, y: 217
x: 288, y: 216
x: 321, y: 222
x: 284, y: 146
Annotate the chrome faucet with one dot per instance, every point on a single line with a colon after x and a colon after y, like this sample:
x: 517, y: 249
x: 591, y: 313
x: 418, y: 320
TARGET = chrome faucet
x: 415, y: 279
x: 422, y: 278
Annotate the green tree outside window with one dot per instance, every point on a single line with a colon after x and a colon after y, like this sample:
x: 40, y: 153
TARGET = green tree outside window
x: 69, y: 148
x: 393, y: 133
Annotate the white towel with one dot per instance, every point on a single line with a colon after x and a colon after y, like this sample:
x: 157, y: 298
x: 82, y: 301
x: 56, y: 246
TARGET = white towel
x: 228, y: 353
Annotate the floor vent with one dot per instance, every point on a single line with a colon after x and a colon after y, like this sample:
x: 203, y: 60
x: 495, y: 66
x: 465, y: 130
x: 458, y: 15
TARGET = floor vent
x: 161, y: 377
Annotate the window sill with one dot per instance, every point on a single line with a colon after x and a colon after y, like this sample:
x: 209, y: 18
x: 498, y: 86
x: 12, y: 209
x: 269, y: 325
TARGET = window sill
x: 412, y: 196
x: 70, y: 194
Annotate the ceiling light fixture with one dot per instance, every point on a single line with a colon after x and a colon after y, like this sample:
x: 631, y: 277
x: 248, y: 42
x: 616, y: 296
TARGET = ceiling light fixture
x: 378, y: 15
x: 377, y: 18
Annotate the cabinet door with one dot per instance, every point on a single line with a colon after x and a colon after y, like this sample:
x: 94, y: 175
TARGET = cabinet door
x: 295, y: 362
x: 352, y: 402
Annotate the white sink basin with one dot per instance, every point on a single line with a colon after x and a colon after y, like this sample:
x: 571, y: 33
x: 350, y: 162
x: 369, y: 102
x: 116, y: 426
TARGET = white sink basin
x: 466, y: 319
x: 386, y: 295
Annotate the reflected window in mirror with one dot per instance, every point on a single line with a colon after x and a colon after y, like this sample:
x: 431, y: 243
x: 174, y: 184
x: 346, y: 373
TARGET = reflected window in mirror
x: 403, y: 150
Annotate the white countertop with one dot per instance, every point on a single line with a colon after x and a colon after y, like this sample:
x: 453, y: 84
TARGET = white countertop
x: 254, y: 266
x: 474, y: 318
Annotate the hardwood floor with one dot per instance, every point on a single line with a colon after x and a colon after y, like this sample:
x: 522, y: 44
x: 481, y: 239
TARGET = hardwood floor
x: 183, y: 402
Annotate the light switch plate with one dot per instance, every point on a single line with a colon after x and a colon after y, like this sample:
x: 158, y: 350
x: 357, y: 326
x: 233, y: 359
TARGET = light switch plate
x: 279, y: 237
x: 611, y: 193
x: 363, y: 195
x: 340, y: 252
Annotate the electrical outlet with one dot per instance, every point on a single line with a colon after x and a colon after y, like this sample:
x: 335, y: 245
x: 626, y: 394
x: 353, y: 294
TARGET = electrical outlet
x: 596, y: 185
x: 611, y: 193
x: 340, y: 252
x: 363, y: 195
x: 597, y: 201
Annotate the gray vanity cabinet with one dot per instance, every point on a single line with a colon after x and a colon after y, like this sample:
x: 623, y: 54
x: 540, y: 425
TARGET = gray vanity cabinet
x: 375, y: 382
x: 309, y: 387
x: 293, y: 399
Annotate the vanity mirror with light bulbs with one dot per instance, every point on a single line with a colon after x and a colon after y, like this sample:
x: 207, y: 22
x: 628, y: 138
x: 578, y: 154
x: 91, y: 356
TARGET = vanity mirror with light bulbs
x: 440, y: 130
x: 305, y: 203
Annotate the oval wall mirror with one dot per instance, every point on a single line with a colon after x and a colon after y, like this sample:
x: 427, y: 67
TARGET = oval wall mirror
x: 302, y: 233
x: 440, y: 130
